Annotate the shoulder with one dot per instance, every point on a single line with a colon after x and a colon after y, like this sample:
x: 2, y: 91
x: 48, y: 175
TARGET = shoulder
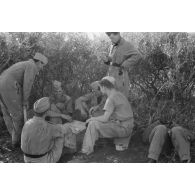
x: 128, y: 45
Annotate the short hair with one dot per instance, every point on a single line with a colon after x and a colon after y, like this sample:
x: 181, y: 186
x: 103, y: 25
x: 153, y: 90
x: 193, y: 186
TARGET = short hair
x: 106, y: 83
x: 35, y: 60
x: 115, y: 33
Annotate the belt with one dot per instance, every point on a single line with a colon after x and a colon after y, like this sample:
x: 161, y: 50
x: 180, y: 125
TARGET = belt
x: 34, y: 155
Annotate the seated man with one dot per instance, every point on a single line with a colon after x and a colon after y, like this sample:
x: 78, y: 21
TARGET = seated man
x: 92, y: 103
x: 41, y: 141
x: 180, y: 137
x: 61, y: 104
x: 117, y: 121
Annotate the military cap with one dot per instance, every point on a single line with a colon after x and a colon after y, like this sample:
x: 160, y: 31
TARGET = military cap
x: 41, y: 57
x: 42, y: 105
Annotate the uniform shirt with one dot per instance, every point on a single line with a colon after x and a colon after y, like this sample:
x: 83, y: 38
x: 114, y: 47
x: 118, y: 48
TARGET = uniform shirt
x: 24, y: 74
x: 38, y: 136
x: 124, y: 54
x: 120, y: 107
x: 63, y: 102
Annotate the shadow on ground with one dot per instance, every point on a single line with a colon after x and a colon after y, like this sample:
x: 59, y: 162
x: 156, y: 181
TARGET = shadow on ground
x: 104, y: 152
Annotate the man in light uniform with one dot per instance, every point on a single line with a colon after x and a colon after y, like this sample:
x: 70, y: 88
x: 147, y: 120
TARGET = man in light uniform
x: 41, y: 141
x: 122, y: 57
x: 117, y: 121
x: 15, y: 87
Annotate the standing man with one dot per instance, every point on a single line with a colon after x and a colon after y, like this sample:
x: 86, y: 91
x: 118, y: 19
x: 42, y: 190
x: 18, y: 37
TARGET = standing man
x: 15, y: 87
x: 121, y: 58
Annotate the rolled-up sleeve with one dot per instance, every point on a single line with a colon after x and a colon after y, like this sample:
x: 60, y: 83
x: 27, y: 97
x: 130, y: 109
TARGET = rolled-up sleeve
x: 131, y: 56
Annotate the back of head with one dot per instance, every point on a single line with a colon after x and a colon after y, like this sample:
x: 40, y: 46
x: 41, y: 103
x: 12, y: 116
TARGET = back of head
x: 108, y: 82
x: 41, y: 106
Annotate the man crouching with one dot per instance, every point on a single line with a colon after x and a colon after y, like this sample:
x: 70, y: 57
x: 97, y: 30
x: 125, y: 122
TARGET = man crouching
x: 117, y: 121
x: 41, y: 142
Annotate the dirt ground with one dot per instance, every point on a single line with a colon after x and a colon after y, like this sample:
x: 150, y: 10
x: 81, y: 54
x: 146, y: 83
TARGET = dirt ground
x: 104, y: 152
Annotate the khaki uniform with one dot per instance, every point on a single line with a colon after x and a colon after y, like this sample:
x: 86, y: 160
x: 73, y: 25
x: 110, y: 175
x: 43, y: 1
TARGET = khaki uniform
x: 84, y: 103
x: 126, y: 55
x: 180, y: 139
x: 119, y: 126
x: 61, y: 103
x: 40, y: 137
x: 15, y: 87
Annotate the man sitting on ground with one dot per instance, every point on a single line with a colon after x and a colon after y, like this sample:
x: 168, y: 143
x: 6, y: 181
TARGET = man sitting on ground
x: 41, y: 141
x: 117, y: 121
x: 92, y: 103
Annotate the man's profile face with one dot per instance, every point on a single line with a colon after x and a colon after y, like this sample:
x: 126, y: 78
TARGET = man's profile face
x: 102, y: 89
x: 114, y: 37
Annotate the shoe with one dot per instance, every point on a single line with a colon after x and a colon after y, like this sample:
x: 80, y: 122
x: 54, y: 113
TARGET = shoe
x: 150, y: 160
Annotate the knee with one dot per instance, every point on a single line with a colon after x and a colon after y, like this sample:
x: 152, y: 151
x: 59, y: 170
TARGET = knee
x: 161, y: 130
x: 176, y: 131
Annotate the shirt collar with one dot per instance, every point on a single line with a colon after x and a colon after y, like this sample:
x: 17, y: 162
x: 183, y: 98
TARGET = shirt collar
x: 119, y: 42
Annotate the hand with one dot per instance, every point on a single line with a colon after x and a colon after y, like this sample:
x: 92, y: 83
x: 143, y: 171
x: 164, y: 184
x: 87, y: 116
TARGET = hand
x: 93, y: 109
x: 105, y: 58
x: 26, y: 105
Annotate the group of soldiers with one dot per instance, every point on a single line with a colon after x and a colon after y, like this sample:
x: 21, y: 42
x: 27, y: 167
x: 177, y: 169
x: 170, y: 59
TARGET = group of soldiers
x: 106, y: 111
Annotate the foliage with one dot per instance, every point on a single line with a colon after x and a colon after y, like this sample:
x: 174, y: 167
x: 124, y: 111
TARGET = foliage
x: 162, y: 82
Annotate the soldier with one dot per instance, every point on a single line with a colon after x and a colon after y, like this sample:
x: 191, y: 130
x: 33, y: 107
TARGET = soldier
x: 121, y: 58
x: 60, y: 103
x: 91, y: 103
x: 162, y: 132
x: 15, y: 87
x: 117, y: 121
x: 41, y: 141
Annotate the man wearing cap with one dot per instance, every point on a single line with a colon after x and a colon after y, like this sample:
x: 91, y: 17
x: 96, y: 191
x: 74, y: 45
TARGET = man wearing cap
x: 91, y: 103
x: 42, y: 142
x: 121, y: 58
x: 117, y: 121
x: 60, y: 103
x: 15, y: 87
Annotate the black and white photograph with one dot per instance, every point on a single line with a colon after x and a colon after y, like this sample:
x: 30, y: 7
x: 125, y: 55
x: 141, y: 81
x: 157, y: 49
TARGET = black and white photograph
x: 87, y: 111
x: 109, y: 97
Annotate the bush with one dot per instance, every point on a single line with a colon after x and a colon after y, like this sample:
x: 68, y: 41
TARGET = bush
x: 162, y: 81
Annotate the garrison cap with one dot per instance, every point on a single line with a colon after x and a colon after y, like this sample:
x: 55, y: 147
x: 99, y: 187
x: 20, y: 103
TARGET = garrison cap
x: 41, y: 57
x: 42, y: 105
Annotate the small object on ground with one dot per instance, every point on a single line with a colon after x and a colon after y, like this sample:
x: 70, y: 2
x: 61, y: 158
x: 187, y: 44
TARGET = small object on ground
x: 121, y: 147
